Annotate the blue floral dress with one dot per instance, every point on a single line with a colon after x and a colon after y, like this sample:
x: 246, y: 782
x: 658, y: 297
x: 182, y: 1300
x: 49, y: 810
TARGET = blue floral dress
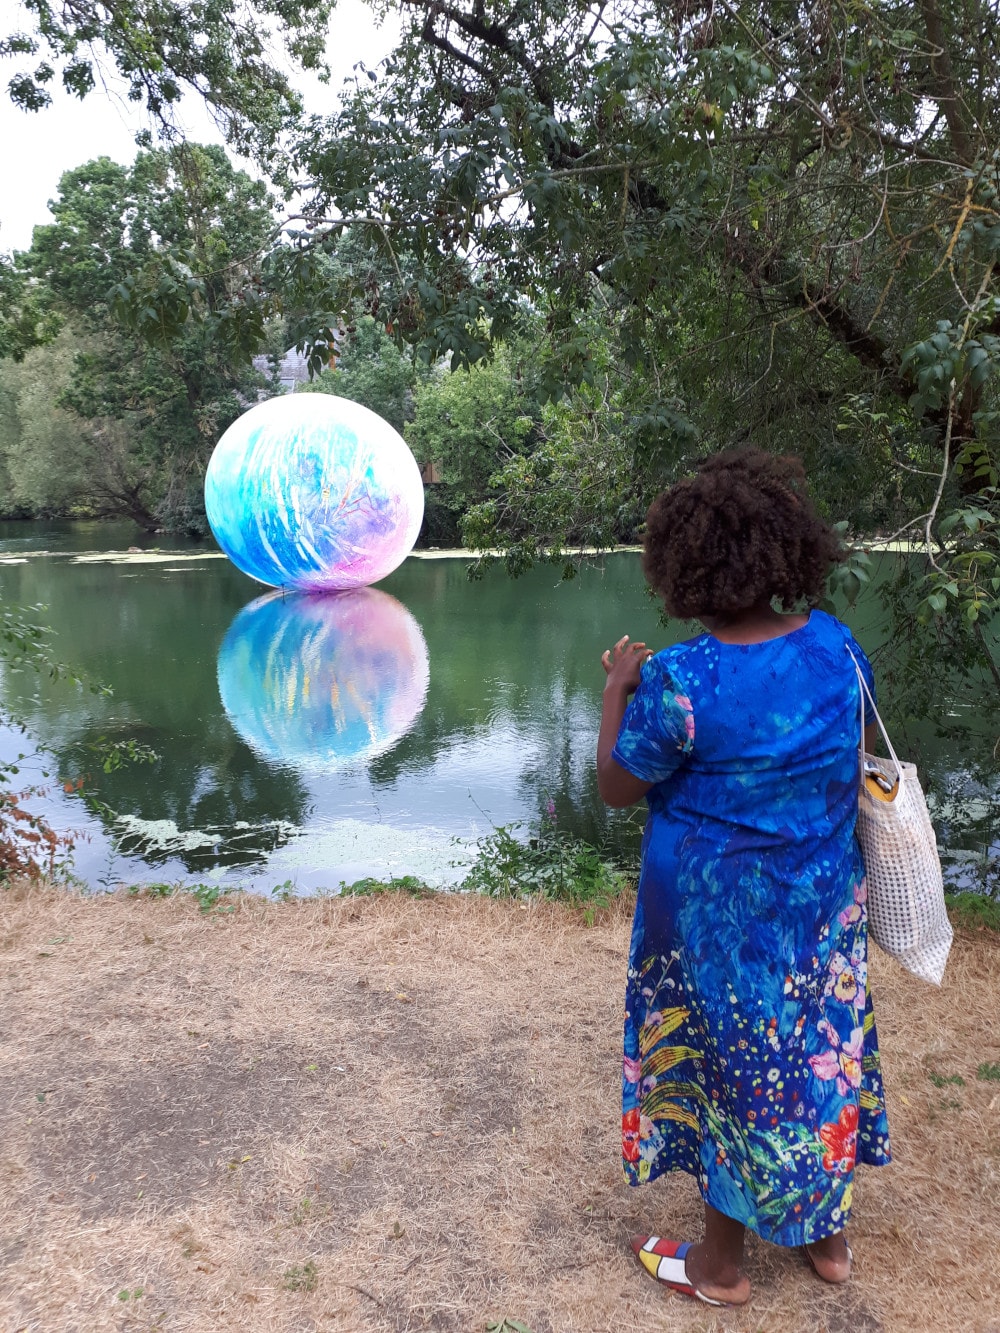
x: 751, y: 1057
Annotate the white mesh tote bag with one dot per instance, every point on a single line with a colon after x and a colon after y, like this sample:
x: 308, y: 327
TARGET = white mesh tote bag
x: 906, y: 911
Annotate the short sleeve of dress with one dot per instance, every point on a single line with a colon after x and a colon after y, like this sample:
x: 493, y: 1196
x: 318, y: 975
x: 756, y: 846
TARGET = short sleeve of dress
x: 657, y: 731
x: 867, y: 672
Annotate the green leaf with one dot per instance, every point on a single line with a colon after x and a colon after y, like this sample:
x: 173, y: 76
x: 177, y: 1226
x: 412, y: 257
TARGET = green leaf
x: 851, y: 586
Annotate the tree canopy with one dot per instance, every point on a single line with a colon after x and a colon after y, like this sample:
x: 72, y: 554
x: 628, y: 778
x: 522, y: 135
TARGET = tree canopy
x: 148, y: 408
x: 785, y: 217
x: 832, y: 168
x: 228, y: 53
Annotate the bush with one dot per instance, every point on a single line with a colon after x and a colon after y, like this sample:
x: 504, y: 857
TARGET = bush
x: 551, y: 864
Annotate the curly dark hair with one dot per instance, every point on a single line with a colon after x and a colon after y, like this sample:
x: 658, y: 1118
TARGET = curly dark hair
x: 740, y: 532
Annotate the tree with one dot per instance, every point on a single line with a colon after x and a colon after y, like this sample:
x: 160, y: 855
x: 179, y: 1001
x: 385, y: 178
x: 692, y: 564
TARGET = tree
x: 787, y: 214
x: 26, y: 317
x: 469, y: 423
x: 223, y: 52
x: 372, y: 370
x: 586, y: 480
x: 830, y: 167
x: 44, y: 447
x: 152, y: 397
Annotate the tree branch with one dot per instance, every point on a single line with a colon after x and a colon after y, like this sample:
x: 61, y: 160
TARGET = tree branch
x: 493, y: 35
x: 943, y: 83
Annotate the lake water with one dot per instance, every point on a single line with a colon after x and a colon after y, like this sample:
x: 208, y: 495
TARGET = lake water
x: 310, y: 741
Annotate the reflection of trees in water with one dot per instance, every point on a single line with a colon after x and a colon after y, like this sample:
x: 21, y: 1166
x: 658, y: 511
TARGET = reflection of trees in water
x: 206, y: 784
x: 550, y: 733
x: 501, y: 677
x: 153, y: 638
x: 562, y: 772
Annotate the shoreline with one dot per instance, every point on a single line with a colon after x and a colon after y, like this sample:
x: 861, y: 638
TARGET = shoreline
x: 160, y: 555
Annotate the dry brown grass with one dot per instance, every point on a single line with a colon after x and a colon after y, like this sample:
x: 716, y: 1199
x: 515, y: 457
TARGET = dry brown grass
x: 375, y: 1115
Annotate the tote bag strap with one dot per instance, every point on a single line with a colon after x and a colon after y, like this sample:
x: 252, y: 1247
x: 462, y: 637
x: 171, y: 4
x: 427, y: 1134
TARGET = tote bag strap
x: 866, y: 693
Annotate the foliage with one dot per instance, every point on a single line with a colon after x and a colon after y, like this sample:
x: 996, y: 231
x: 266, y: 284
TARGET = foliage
x: 786, y: 224
x: 152, y: 890
x: 26, y: 315
x: 27, y: 644
x: 53, y: 463
x: 302, y: 1278
x: 470, y: 423
x: 965, y: 570
x: 943, y: 1080
x: 598, y: 455
x: 792, y: 150
x: 551, y: 864
x: 161, y: 48
x: 136, y: 411
x: 974, y: 911
x: 114, y: 755
x: 772, y: 211
x: 28, y: 844
x: 786, y: 221
x: 208, y: 897
x: 848, y: 578
x: 372, y: 370
x: 373, y: 888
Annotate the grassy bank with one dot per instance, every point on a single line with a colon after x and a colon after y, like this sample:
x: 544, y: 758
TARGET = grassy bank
x: 392, y: 1112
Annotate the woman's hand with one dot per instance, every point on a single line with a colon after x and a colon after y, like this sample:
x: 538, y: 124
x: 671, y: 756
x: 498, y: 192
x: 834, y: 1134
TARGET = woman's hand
x: 623, y: 663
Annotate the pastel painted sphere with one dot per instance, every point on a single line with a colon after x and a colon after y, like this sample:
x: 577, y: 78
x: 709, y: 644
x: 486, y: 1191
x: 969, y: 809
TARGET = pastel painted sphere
x: 322, y: 683
x: 314, y: 492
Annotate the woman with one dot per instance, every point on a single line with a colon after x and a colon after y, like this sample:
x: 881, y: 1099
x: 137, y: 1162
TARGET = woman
x: 751, y: 1056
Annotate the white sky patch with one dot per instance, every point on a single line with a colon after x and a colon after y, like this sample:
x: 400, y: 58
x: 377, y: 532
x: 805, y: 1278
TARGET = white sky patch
x: 37, y: 147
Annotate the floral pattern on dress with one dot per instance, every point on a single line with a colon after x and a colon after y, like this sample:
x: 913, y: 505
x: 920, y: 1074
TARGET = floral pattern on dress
x: 751, y: 1055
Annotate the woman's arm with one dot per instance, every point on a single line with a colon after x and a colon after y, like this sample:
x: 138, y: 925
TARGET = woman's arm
x: 618, y: 787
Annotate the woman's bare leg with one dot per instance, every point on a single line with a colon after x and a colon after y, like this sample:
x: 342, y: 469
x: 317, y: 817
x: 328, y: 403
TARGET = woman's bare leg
x: 715, y: 1266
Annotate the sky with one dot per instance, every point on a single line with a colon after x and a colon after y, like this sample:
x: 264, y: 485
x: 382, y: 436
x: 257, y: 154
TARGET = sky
x: 37, y: 147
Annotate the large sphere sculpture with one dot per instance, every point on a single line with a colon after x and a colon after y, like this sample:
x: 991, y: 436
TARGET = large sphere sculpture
x: 314, y: 492
x: 321, y: 683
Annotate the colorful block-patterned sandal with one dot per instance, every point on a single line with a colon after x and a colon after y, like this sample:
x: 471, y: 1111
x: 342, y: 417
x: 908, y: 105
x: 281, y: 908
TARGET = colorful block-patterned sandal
x: 664, y: 1259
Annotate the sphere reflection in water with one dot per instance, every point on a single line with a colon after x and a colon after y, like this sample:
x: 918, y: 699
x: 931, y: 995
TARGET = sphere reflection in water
x: 323, y: 681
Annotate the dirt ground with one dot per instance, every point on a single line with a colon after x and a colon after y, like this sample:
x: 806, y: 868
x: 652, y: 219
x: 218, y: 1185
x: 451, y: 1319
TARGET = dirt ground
x: 386, y: 1115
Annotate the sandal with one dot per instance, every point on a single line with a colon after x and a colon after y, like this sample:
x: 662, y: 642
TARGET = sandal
x: 664, y: 1259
